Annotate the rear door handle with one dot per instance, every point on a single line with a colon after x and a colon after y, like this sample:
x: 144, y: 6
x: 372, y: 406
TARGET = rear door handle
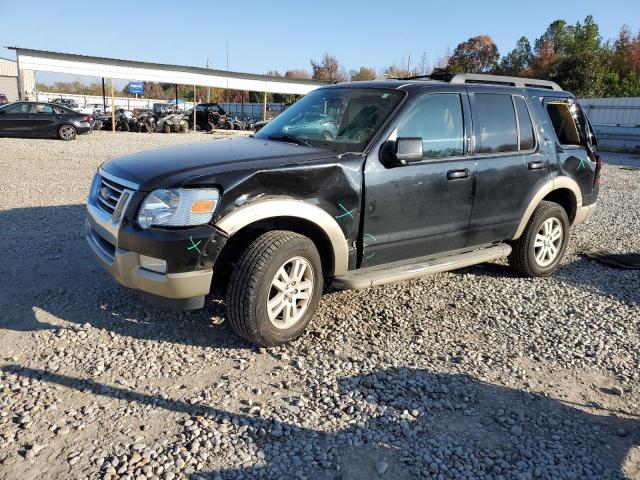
x: 458, y: 174
x: 536, y: 165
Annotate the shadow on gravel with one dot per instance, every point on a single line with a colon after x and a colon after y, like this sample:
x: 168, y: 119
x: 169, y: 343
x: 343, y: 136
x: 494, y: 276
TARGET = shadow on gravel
x: 419, y: 423
x: 620, y: 284
x: 48, y: 270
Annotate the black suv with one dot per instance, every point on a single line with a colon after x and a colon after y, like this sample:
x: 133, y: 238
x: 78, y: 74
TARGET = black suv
x: 418, y: 176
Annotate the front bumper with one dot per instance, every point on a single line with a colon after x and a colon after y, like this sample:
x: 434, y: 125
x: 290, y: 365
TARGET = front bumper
x: 123, y: 250
x: 126, y: 268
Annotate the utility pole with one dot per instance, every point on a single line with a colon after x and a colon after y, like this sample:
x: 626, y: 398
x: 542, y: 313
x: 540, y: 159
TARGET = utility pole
x: 227, y: 92
x: 208, y: 88
x: 409, y: 64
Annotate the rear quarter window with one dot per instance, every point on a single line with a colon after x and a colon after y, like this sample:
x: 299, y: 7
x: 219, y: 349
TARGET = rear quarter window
x: 564, y: 118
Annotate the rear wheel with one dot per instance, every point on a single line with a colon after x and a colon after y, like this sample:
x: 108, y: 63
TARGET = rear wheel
x: 540, y: 248
x: 67, y: 132
x: 275, y: 288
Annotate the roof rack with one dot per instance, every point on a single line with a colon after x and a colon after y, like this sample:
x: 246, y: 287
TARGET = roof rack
x: 490, y: 79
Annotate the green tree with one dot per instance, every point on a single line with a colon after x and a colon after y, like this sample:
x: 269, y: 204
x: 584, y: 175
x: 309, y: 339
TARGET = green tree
x: 516, y: 62
x: 479, y: 54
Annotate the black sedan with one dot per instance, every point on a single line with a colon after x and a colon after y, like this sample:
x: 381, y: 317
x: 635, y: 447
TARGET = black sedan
x: 35, y: 119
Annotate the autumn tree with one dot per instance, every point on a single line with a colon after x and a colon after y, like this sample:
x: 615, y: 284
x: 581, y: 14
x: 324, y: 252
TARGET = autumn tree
x: 297, y: 73
x: 479, y: 54
x: 364, y: 73
x: 328, y: 69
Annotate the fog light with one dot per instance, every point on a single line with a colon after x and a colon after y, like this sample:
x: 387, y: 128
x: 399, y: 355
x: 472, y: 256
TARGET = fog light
x: 154, y: 264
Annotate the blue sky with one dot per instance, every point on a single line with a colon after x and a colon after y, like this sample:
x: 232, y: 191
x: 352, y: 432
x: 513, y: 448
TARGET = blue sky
x: 286, y: 34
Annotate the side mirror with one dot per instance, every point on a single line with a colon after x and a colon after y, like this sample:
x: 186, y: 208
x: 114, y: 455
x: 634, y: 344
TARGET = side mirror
x: 402, y: 151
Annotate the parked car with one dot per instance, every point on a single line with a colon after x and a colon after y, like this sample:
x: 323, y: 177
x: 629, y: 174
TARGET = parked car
x: 3, y: 99
x: 407, y: 186
x: 37, y: 119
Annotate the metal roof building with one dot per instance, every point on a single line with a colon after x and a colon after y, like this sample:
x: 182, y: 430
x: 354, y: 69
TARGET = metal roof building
x: 9, y: 79
x: 41, y: 60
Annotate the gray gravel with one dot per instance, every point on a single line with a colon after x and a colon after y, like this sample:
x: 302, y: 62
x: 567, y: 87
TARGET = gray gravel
x: 469, y: 374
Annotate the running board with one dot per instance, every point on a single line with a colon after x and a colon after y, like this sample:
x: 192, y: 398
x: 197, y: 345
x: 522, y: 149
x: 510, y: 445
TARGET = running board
x: 398, y: 271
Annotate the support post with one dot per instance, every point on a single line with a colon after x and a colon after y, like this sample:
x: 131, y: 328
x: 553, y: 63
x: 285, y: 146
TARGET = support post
x: 195, y: 118
x: 20, y: 89
x: 176, y: 96
x: 113, y: 108
x: 104, y: 97
x: 264, y: 106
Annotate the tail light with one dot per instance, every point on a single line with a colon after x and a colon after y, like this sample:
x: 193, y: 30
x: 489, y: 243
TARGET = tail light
x: 599, y: 163
x: 87, y: 118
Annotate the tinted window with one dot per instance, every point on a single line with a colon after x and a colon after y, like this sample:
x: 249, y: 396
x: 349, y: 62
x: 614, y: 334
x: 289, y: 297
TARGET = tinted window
x: 43, y: 108
x: 19, y: 108
x: 527, y: 138
x: 437, y: 119
x: 564, y: 122
x: 498, y: 132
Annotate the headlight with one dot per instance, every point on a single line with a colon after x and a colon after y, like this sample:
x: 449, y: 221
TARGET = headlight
x: 179, y: 207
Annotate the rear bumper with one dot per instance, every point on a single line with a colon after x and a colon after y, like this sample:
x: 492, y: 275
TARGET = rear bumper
x: 584, y: 213
x: 125, y: 267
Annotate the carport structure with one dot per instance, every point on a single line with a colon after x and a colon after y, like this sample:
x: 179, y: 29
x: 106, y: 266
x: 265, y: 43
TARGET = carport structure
x: 42, y: 60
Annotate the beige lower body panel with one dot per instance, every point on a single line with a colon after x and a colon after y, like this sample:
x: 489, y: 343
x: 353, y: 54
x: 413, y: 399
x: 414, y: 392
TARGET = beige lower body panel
x: 125, y: 267
x: 584, y: 214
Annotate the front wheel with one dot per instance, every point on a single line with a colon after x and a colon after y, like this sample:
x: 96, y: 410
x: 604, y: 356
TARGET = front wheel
x: 540, y: 248
x: 274, y: 288
x: 67, y: 132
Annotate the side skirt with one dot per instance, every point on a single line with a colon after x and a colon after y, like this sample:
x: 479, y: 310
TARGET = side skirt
x: 418, y: 267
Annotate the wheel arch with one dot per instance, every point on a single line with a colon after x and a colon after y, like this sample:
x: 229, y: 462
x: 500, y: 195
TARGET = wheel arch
x: 295, y: 215
x: 562, y: 190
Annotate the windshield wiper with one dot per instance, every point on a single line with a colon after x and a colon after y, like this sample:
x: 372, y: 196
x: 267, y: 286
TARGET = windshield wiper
x: 287, y: 137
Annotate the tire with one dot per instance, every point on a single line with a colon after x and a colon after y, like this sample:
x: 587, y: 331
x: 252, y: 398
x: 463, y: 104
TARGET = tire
x: 228, y: 125
x: 252, y: 285
x: 540, y: 248
x: 67, y: 132
x: 209, y: 128
x: 166, y: 128
x: 148, y: 128
x: 183, y: 128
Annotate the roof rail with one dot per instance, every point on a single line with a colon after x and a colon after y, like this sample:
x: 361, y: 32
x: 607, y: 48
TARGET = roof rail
x: 503, y: 80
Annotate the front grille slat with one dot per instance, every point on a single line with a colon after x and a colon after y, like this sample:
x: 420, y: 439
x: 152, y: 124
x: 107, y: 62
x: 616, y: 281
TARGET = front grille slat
x: 108, y: 195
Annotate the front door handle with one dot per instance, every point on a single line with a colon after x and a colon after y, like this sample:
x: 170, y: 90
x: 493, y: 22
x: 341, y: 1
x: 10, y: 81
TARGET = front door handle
x: 458, y: 174
x: 536, y: 165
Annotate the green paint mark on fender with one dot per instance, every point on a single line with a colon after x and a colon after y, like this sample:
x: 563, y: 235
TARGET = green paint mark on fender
x: 347, y: 213
x: 194, y: 245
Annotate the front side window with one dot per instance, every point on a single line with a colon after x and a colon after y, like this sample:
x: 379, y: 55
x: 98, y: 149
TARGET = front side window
x: 437, y: 119
x: 342, y: 119
x: 18, y: 108
x: 498, y: 130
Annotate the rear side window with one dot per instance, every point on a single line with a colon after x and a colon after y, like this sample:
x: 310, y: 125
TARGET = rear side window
x: 527, y: 138
x: 564, y: 122
x: 498, y: 128
x: 43, y: 108
x: 437, y: 119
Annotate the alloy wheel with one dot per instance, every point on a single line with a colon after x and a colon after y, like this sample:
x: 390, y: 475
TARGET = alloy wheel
x: 290, y: 292
x: 548, y: 242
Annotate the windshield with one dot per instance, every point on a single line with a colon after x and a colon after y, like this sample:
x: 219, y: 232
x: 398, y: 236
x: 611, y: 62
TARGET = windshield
x: 342, y: 119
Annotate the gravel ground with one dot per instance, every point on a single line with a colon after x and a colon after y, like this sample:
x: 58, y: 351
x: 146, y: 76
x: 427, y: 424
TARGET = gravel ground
x: 470, y: 374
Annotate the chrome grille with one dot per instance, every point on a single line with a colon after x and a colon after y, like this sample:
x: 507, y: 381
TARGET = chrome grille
x: 108, y: 194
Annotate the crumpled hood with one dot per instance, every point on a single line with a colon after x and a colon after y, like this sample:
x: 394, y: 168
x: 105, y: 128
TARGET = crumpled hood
x: 166, y: 167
